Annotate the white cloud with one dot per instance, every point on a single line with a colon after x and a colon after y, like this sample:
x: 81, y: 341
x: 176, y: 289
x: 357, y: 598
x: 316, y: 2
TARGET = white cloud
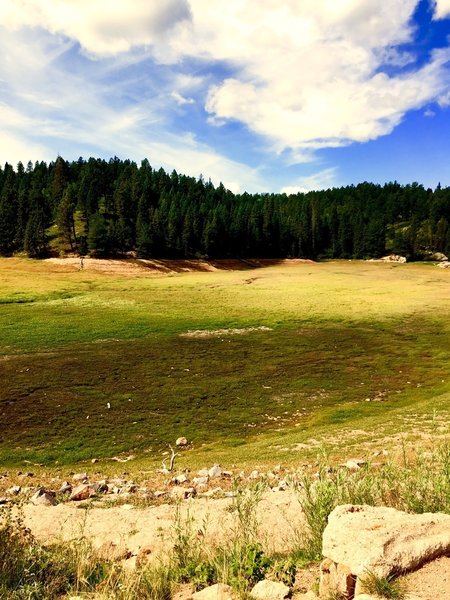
x: 308, y: 73
x: 442, y: 9
x: 180, y: 99
x: 101, y: 27
x: 322, y: 180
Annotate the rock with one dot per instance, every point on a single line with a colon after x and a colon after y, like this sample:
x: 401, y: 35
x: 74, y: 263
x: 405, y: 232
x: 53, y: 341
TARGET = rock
x: 179, y: 479
x: 131, y: 488
x: 14, y: 490
x: 160, y: 493
x: 65, y: 488
x: 203, y: 473
x: 80, y: 477
x: 394, y: 258
x: 219, y: 591
x: 181, y: 442
x: 254, y: 475
x: 215, y: 472
x: 270, y: 590
x: 94, y: 461
x: 381, y: 540
x: 82, y: 492
x: 4, y: 501
x: 211, y: 493
x: 444, y: 264
x: 43, y: 498
x: 354, y: 464
x: 180, y: 493
x: 439, y: 257
x: 200, y: 480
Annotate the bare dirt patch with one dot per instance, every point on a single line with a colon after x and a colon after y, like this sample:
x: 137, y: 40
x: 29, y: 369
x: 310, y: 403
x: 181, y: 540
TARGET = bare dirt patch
x: 205, y: 333
x: 144, y: 267
x: 432, y: 581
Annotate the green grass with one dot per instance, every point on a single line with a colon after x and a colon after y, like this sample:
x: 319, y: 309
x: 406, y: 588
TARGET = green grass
x: 342, y: 333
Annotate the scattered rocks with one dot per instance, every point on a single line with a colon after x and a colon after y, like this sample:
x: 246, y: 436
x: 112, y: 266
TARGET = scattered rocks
x: 270, y: 590
x: 394, y: 258
x: 381, y: 540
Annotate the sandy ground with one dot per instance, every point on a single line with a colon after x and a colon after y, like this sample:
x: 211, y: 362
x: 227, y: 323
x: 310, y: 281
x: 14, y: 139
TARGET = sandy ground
x: 278, y: 513
x: 129, y: 528
x: 140, y: 267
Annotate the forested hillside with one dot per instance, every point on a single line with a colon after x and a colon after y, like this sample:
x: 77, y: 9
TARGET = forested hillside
x: 114, y: 207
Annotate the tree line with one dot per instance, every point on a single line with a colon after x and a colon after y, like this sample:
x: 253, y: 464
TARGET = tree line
x: 111, y: 208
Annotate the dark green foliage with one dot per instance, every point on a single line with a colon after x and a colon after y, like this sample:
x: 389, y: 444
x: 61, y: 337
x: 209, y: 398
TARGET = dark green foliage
x: 247, y: 562
x: 134, y: 208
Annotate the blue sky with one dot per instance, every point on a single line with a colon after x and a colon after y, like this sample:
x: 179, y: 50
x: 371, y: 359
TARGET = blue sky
x: 262, y: 95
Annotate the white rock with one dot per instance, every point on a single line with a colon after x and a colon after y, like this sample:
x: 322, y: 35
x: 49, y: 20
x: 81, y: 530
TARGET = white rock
x: 80, y: 477
x: 43, y: 498
x: 381, y: 540
x: 181, y: 441
x: 215, y: 471
x: 200, y: 480
x: 180, y: 479
x: 270, y: 590
x: 14, y: 490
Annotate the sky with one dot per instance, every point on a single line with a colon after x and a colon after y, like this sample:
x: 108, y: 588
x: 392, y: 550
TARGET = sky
x: 262, y: 95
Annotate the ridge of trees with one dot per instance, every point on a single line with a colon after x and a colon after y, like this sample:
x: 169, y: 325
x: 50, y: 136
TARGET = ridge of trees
x: 109, y: 208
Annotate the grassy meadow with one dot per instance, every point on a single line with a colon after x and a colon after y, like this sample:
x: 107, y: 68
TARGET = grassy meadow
x: 357, y: 353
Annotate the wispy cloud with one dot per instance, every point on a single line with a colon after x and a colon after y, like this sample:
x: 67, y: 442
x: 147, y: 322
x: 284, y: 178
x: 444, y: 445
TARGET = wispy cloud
x: 321, y: 180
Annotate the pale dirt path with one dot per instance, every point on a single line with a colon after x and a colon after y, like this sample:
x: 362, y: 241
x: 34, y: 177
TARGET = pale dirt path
x: 278, y: 514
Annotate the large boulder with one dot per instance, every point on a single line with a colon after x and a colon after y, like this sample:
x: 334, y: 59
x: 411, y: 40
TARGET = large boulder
x: 379, y: 540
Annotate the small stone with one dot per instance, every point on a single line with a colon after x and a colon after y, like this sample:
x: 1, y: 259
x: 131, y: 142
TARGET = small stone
x: 82, y: 492
x: 215, y: 472
x: 159, y: 493
x: 80, y: 477
x: 200, y: 480
x: 65, y: 488
x: 181, y: 442
x: 179, y: 479
x: 94, y: 461
x: 43, y: 498
x: 14, y: 490
x: 203, y: 473
x: 180, y: 493
x: 270, y: 590
x: 254, y: 475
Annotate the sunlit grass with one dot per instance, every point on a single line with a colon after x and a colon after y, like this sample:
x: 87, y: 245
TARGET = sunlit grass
x: 352, y: 345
